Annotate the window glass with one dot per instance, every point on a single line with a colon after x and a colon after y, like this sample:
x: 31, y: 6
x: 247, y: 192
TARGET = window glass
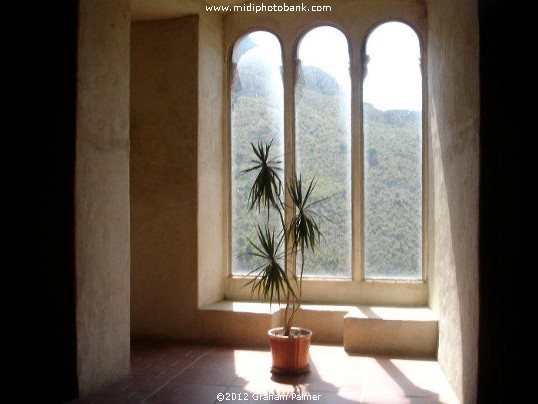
x: 323, y: 143
x: 256, y: 114
x: 392, y: 123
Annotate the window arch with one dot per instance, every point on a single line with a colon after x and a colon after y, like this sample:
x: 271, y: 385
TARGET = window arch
x: 392, y: 153
x: 323, y: 141
x: 257, y: 105
x: 368, y: 162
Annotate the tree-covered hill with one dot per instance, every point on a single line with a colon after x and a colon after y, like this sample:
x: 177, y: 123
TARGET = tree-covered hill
x: 392, y: 171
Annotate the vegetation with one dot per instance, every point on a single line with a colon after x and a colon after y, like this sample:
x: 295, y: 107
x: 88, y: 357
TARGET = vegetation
x: 272, y: 279
x: 392, y: 172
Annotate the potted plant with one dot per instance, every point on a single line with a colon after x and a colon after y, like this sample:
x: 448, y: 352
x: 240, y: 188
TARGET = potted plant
x: 279, y: 250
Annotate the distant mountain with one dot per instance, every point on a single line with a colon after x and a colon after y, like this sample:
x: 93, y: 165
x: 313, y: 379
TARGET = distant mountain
x: 395, y: 117
x: 253, y: 78
x: 314, y: 77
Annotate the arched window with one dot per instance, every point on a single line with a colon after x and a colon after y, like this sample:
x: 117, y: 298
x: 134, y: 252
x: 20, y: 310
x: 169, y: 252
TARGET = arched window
x: 256, y: 114
x: 392, y: 128
x: 323, y: 142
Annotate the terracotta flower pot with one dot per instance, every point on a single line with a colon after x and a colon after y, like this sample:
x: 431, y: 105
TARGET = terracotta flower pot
x: 290, y: 353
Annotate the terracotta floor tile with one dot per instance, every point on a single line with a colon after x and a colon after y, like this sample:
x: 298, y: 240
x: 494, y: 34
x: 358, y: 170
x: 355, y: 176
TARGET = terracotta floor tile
x: 130, y: 398
x: 163, y: 365
x: 244, y: 376
x: 216, y: 360
x: 88, y: 399
x: 240, y: 395
x: 268, y: 383
x: 175, y: 373
x: 187, y: 393
x: 116, y: 389
x: 332, y: 379
x: 337, y: 398
x: 149, y: 384
x: 213, y: 376
x: 194, y: 352
x: 398, y: 400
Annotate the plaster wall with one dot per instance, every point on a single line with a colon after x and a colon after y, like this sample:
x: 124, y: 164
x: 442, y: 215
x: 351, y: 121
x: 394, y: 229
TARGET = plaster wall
x: 355, y: 18
x: 146, y: 10
x: 102, y: 193
x: 211, y: 240
x: 453, y: 104
x: 164, y: 168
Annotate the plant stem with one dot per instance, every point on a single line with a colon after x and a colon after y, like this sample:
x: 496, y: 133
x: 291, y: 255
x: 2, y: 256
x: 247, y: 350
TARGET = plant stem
x: 287, y: 326
x: 296, y: 303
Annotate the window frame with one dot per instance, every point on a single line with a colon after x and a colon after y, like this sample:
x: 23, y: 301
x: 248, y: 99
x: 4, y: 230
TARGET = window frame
x: 357, y: 289
x: 227, y: 142
x: 293, y: 133
x: 425, y: 171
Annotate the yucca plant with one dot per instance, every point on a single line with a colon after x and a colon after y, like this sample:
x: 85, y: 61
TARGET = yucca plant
x: 272, y: 279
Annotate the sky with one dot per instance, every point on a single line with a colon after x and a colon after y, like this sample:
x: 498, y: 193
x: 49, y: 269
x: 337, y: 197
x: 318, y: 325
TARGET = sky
x: 393, y: 80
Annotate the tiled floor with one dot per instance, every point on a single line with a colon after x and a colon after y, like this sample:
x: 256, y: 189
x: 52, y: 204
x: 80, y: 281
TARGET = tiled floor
x: 170, y: 373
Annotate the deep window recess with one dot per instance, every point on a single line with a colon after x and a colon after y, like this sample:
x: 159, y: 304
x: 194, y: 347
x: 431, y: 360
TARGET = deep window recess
x: 256, y: 113
x: 392, y: 127
x: 323, y: 143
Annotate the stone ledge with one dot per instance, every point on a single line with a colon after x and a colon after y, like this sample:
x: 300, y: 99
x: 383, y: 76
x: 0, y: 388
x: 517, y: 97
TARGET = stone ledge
x: 243, y: 307
x: 395, y: 331
x: 392, y: 313
x: 351, y: 311
x: 400, y: 331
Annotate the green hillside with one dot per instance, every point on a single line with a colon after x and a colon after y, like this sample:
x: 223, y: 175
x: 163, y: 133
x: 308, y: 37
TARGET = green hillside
x: 392, y: 193
x: 392, y: 171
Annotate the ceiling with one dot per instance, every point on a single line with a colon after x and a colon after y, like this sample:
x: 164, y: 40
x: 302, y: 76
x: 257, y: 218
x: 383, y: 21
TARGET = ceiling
x: 160, y: 9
